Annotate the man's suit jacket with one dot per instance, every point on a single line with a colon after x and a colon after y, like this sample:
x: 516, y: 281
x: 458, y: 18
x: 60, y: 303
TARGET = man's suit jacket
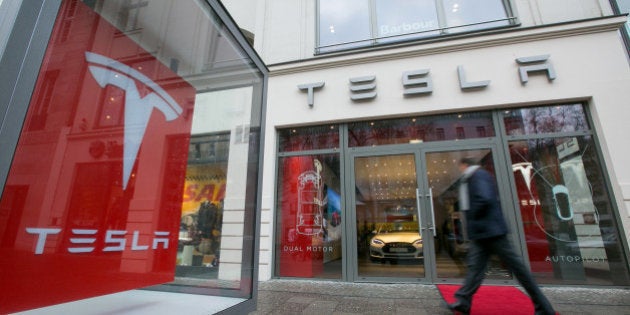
x: 484, y: 219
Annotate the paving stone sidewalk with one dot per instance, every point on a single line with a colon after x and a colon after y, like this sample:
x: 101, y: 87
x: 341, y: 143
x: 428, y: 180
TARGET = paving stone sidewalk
x: 339, y: 298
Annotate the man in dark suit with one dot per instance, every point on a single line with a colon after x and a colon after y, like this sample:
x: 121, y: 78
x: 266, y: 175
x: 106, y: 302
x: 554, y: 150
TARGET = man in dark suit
x: 487, y: 232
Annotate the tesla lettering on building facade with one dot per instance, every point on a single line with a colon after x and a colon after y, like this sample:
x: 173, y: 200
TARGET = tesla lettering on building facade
x: 419, y: 82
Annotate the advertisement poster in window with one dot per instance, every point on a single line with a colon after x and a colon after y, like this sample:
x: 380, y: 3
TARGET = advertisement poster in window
x: 311, y: 218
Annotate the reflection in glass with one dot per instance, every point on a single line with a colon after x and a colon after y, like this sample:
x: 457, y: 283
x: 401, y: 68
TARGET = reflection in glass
x: 308, y: 138
x: 343, y: 21
x: 399, y: 17
x: 309, y: 227
x: 548, y: 119
x: 421, y: 129
x: 443, y: 176
x: 144, y: 122
x: 470, y: 15
x: 346, y: 24
x: 80, y: 174
x: 570, y: 229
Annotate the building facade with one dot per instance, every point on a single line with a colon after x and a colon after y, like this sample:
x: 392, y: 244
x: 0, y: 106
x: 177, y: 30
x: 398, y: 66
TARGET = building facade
x: 372, y: 103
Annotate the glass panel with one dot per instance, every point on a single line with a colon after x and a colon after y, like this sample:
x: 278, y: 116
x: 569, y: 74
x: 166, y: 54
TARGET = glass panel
x: 388, y: 238
x: 421, y: 129
x: 132, y: 127
x: 343, y: 21
x: 568, y: 219
x: 398, y: 17
x: 218, y: 137
x: 308, y: 138
x: 309, y: 228
x: 363, y: 21
x: 451, y: 245
x: 548, y: 119
x: 465, y: 12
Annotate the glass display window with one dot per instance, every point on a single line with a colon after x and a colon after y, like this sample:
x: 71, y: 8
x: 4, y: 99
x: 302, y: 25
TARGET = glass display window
x: 401, y: 17
x: 401, y: 197
x: 138, y: 161
x: 570, y: 230
x: 309, y: 226
x: 343, y: 22
x: 545, y: 119
x: 308, y: 138
x: 421, y: 129
x: 466, y: 16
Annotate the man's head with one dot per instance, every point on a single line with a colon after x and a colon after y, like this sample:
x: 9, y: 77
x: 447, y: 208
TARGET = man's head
x: 465, y: 162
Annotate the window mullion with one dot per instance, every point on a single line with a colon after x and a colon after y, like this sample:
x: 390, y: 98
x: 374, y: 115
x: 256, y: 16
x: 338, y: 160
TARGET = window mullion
x: 443, y: 26
x: 373, y: 22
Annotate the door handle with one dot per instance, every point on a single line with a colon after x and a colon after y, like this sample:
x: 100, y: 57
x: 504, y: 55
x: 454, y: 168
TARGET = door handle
x: 418, y: 212
x: 432, y: 225
x: 432, y: 212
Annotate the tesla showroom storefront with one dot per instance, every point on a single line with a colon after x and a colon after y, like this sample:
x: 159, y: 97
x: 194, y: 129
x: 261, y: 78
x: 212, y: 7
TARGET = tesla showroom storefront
x: 130, y: 158
x: 368, y: 144
x: 401, y: 193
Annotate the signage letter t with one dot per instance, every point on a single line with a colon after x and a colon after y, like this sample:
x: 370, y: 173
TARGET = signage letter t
x: 309, y: 87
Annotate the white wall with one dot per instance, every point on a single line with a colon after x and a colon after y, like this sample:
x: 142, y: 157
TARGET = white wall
x: 243, y: 12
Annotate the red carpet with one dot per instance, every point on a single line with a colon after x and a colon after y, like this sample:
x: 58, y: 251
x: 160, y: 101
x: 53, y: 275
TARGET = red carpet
x: 493, y: 300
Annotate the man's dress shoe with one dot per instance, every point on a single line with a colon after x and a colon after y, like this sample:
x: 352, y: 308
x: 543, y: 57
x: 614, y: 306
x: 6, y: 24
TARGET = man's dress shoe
x: 459, y: 307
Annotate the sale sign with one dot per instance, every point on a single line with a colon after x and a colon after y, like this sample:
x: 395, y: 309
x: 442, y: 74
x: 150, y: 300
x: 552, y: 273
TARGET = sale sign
x: 203, y: 183
x: 93, y: 199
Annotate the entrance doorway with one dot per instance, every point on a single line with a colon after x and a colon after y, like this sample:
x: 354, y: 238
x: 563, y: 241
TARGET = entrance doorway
x: 408, y: 226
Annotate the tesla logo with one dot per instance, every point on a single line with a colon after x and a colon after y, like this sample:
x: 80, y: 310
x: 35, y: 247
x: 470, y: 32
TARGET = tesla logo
x: 84, y: 240
x: 138, y: 109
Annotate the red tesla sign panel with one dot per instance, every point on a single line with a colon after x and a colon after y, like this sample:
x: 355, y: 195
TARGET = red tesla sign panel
x: 92, y: 202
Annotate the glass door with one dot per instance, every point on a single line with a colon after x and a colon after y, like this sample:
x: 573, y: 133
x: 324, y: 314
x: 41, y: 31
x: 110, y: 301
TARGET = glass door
x: 390, y: 241
x: 408, y: 227
x: 441, y: 198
